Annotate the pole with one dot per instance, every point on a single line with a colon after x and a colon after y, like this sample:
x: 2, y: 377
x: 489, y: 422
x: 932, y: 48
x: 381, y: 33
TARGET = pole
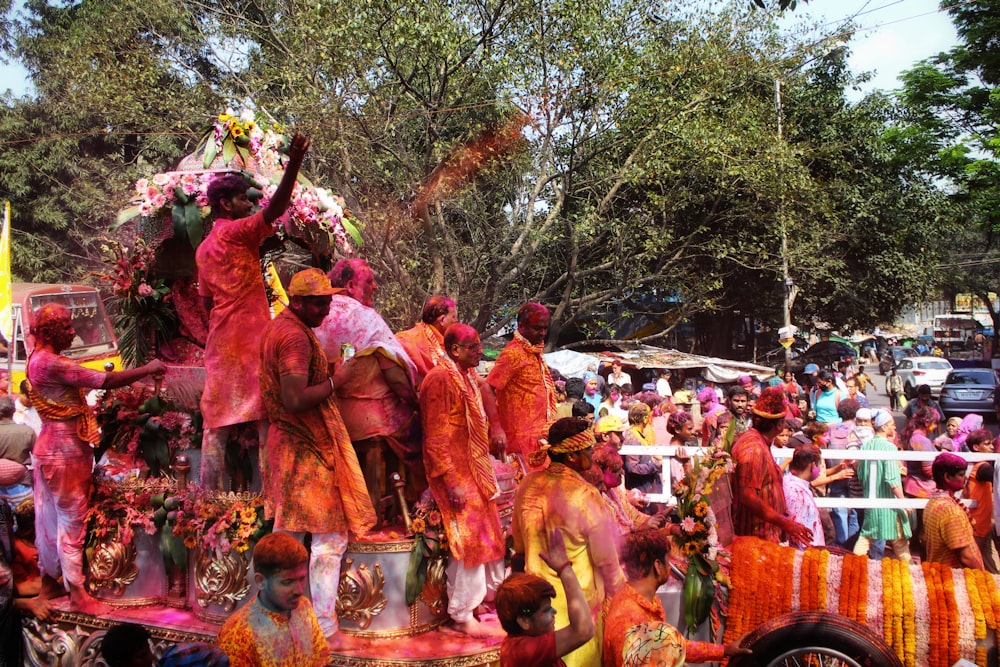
x: 786, y: 278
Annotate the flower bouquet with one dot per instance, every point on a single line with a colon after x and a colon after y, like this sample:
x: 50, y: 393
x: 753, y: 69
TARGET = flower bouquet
x: 699, y: 542
x: 213, y: 520
x: 429, y: 544
x: 139, y: 421
x: 245, y: 144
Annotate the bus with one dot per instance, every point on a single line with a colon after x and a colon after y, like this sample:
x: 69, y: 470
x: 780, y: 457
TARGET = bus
x: 95, y: 345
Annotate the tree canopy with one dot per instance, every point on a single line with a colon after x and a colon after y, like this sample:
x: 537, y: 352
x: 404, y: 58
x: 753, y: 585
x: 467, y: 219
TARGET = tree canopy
x: 609, y: 159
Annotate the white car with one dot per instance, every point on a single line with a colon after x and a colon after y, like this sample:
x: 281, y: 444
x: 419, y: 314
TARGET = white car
x: 915, y: 371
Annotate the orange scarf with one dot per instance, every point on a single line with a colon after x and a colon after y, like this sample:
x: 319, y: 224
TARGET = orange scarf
x: 475, y: 415
x: 86, y: 422
x: 550, y: 385
x: 435, y: 343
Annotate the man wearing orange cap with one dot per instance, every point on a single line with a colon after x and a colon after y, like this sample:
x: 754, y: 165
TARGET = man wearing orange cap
x: 312, y: 473
x: 232, y: 289
x: 522, y: 384
x: 758, y: 497
x: 559, y: 496
x: 461, y: 478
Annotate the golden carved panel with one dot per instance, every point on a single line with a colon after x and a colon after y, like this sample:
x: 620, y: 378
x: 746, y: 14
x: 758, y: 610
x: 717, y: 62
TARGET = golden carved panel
x: 111, y: 566
x: 360, y: 595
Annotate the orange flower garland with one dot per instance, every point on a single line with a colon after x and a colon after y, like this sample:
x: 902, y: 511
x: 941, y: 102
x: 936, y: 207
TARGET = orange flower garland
x: 916, y: 608
x: 909, y: 637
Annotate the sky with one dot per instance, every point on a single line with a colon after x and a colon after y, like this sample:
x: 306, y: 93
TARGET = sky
x: 893, y: 35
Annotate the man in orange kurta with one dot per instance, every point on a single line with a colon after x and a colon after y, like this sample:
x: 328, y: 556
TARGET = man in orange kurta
x: 312, y: 474
x: 461, y: 478
x: 524, y: 390
x: 232, y: 288
x: 424, y: 343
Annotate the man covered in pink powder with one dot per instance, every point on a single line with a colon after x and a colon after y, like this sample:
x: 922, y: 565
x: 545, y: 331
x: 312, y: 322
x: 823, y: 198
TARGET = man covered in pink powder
x: 63, y: 455
x: 232, y: 288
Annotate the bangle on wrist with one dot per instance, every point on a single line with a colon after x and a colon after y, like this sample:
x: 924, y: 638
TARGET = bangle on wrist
x: 332, y: 388
x: 559, y: 570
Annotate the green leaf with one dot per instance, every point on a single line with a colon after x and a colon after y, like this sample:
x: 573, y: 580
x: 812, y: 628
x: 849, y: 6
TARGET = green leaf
x: 179, y: 222
x: 125, y: 215
x: 211, y: 150
x: 180, y: 196
x: 353, y: 231
x: 195, y: 226
x: 416, y: 572
x: 228, y: 151
x: 304, y: 181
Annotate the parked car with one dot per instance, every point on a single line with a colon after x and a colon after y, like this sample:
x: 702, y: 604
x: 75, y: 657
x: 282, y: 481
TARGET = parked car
x: 969, y: 390
x: 915, y: 371
x: 892, y: 355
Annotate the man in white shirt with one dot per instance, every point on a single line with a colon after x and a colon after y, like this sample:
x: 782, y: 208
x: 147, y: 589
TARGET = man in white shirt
x: 663, y: 384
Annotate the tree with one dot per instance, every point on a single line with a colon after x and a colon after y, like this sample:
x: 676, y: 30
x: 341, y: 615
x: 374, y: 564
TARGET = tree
x: 951, y: 133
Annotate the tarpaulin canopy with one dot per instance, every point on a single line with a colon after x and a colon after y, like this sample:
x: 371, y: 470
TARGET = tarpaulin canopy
x: 576, y: 364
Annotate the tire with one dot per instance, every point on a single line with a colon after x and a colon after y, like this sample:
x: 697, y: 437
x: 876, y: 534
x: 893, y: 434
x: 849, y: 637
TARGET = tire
x: 815, y: 638
x: 909, y: 392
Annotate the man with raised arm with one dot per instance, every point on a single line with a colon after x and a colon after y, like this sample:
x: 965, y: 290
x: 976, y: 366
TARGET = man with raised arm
x: 232, y: 289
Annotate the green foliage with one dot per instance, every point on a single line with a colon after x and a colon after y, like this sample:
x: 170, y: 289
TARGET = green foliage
x: 647, y: 176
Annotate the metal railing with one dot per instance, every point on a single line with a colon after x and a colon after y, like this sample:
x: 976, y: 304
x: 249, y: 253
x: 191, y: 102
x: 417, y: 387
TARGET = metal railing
x: 669, y: 452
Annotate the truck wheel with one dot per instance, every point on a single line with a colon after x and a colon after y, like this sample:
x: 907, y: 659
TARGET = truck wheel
x: 815, y: 638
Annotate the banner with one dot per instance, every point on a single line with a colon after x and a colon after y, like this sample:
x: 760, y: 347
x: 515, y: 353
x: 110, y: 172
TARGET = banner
x: 6, y: 289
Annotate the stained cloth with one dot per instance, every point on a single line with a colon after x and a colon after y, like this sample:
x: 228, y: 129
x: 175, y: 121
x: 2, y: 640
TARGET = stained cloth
x: 256, y: 637
x: 312, y: 474
x: 980, y: 488
x: 63, y: 462
x: 424, y: 345
x: 525, y: 651
x: 882, y: 523
x: 326, y: 553
x: 919, y: 481
x: 229, y: 273
x: 457, y: 456
x: 526, y: 395
x: 800, y: 505
x: 969, y: 423
x: 643, y: 472
x: 627, y: 609
x: 559, y: 496
x: 369, y: 406
x: 946, y: 530
x: 653, y: 645
x: 756, y: 470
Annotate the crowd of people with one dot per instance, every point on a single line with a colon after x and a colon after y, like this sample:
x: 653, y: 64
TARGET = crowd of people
x: 341, y: 403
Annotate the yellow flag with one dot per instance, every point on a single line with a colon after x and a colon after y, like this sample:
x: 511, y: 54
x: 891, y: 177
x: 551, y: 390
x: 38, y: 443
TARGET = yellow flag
x: 6, y: 289
x: 279, y: 297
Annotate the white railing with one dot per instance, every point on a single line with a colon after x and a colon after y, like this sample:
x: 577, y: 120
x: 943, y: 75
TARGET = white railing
x: 669, y: 452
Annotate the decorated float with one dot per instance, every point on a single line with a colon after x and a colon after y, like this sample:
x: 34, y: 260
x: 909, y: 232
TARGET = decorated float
x: 163, y: 552
x: 172, y: 556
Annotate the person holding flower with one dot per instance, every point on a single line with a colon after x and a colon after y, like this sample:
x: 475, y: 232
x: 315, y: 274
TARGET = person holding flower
x: 646, y: 558
x: 461, y: 478
x: 232, y: 290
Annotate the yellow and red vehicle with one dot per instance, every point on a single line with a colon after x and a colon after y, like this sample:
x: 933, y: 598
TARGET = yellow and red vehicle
x: 95, y: 345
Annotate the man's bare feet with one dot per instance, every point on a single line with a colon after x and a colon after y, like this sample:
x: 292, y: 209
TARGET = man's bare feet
x: 475, y: 628
x: 83, y: 602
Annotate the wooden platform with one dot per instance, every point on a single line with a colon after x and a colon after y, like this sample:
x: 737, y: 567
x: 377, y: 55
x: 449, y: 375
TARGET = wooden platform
x: 71, y: 639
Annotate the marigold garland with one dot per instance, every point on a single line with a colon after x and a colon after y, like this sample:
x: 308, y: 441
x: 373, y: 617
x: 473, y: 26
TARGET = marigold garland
x: 928, y: 614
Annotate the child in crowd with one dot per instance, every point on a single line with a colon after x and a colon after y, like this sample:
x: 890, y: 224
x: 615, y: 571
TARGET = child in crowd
x: 524, y: 607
